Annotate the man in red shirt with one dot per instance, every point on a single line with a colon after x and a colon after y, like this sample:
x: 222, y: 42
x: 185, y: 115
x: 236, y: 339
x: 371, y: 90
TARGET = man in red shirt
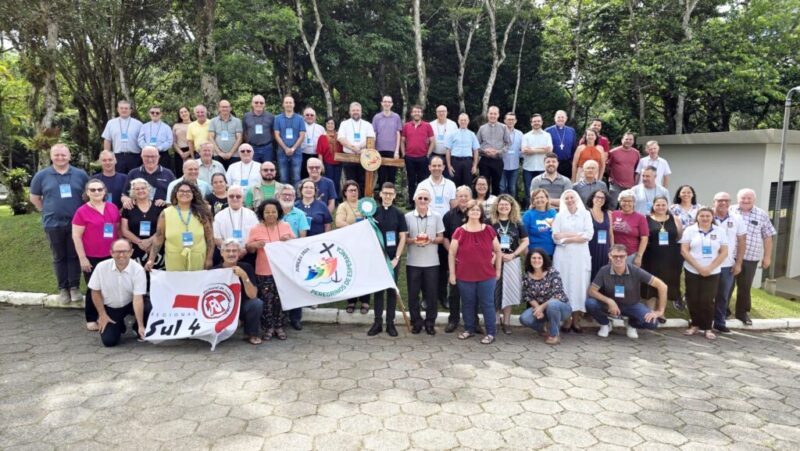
x: 621, y: 166
x: 416, y: 144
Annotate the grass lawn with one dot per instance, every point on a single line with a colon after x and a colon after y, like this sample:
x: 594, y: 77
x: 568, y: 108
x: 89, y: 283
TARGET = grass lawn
x: 25, y: 265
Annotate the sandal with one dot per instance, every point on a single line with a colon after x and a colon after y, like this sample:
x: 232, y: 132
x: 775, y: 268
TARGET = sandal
x: 92, y: 326
x: 268, y: 334
x: 690, y: 331
x: 350, y: 308
x: 364, y: 308
x: 254, y: 340
x: 487, y: 340
x: 464, y: 335
x: 552, y: 341
x: 710, y: 335
x: 280, y: 334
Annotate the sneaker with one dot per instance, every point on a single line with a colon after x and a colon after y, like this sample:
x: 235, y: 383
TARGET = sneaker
x: 63, y: 296
x: 604, y: 330
x: 75, y: 295
x: 632, y: 333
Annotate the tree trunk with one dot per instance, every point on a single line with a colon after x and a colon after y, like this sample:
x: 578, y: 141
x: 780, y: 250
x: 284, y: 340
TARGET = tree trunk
x: 462, y: 56
x: 687, y: 34
x: 498, y: 55
x: 206, y: 52
x: 404, y: 96
x: 50, y: 87
x: 519, y: 69
x: 637, y: 81
x: 576, y: 67
x: 421, y: 73
x: 312, y: 51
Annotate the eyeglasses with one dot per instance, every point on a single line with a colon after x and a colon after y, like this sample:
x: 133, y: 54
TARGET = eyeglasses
x: 245, y: 151
x: 181, y: 191
x: 309, y: 115
x: 424, y: 198
x: 155, y: 113
x: 120, y: 252
x: 95, y: 190
x: 316, y: 168
x: 258, y: 103
x: 351, y: 190
x: 618, y: 257
x: 234, y: 196
x: 722, y: 200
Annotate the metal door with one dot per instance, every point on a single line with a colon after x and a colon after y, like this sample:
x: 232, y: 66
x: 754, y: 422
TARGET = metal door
x: 787, y: 217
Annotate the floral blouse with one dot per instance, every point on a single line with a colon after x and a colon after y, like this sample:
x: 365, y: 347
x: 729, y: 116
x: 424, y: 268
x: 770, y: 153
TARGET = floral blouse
x: 549, y: 287
x: 687, y: 218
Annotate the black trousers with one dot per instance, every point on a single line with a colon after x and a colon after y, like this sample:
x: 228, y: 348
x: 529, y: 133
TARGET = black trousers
x: 113, y: 332
x: 65, y: 259
x: 177, y: 162
x: 565, y: 168
x: 126, y: 161
x: 89, y: 309
x: 424, y: 280
x: 304, y: 168
x: 228, y: 162
x: 700, y: 294
x: 492, y: 169
x: 386, y: 173
x: 462, y: 167
x: 416, y: 171
x: 355, y: 173
x: 744, y: 283
x: 391, y: 301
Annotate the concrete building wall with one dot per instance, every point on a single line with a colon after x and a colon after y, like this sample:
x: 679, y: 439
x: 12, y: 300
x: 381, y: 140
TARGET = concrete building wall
x: 729, y: 161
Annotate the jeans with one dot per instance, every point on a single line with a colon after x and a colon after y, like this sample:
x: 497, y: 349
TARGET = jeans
x: 554, y: 314
x: 422, y: 279
x: 508, y: 183
x: 65, y: 259
x: 723, y: 295
x: 334, y: 172
x: 391, y: 301
x: 263, y: 153
x: 250, y: 314
x: 527, y: 177
x: 744, y: 282
x: 289, y: 167
x: 474, y: 294
x: 635, y: 313
x: 112, y: 334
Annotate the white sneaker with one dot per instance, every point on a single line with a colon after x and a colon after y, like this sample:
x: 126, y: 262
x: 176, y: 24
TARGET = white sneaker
x: 63, y: 296
x: 632, y: 333
x: 75, y: 295
x: 604, y: 330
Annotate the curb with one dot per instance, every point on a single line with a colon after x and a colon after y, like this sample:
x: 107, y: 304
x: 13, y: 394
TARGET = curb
x: 337, y: 316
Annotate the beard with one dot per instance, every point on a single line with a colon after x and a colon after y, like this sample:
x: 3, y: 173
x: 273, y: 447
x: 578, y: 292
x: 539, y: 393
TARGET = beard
x: 287, y: 205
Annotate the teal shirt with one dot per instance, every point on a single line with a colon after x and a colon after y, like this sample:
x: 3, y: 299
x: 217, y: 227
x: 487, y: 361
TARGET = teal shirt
x: 297, y: 221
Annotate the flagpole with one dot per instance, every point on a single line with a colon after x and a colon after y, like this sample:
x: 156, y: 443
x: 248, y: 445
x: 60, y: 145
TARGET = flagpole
x: 403, y: 311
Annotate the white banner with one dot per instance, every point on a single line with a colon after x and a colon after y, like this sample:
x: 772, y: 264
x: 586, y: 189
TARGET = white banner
x: 341, y: 264
x: 193, y: 304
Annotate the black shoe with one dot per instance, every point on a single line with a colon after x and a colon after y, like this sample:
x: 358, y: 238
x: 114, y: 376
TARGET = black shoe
x: 391, y: 330
x: 376, y: 328
x: 723, y: 329
x: 296, y: 325
x: 445, y: 304
x: 430, y: 330
x: 451, y: 327
x: 661, y: 320
x: 728, y: 313
x: 679, y: 304
x: 416, y: 330
x: 745, y: 320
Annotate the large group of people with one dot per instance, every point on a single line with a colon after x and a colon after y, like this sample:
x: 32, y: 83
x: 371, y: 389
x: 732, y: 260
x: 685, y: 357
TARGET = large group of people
x: 596, y: 233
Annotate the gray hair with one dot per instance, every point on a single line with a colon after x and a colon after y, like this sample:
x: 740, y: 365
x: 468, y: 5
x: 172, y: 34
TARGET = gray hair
x: 139, y: 181
x: 625, y: 194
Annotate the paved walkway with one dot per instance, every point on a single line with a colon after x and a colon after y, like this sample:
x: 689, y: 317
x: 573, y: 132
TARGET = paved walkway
x: 332, y: 387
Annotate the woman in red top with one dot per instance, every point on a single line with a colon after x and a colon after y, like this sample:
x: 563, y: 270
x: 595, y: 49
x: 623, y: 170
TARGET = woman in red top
x: 475, y: 262
x: 327, y: 147
x: 590, y: 150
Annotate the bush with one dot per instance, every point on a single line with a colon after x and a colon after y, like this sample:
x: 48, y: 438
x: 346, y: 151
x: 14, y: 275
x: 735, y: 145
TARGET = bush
x: 17, y: 182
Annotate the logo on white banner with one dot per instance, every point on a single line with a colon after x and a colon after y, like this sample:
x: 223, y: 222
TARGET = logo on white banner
x: 325, y: 269
x: 216, y: 302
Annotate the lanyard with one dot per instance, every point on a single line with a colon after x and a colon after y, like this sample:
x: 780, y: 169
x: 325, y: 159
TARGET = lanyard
x: 127, y: 125
x: 188, y: 218
x: 150, y: 129
x: 241, y: 171
x: 241, y: 219
x: 424, y: 228
x: 504, y: 230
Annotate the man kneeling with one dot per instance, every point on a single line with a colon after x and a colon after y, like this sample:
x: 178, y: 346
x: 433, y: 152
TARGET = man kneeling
x: 251, y: 306
x: 615, y: 292
x: 118, y: 287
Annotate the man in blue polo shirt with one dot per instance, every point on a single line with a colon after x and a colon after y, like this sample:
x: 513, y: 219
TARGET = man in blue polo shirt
x: 56, y: 191
x: 289, y: 135
x: 564, y: 142
x: 113, y: 180
x: 156, y: 175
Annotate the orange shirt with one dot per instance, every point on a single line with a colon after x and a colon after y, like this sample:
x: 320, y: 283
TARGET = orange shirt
x: 589, y: 153
x: 260, y: 232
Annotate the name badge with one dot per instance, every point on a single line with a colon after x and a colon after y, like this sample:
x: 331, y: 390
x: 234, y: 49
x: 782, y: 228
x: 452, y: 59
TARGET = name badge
x: 224, y: 135
x: 237, y: 233
x: 124, y: 137
x: 244, y: 182
x: 602, y: 236
x: 144, y: 228
x: 357, y: 136
x: 391, y: 239
x: 109, y: 197
x: 108, y: 230
x: 65, y: 190
x: 707, y: 250
x: 187, y: 239
x: 259, y: 129
x: 289, y: 133
x: 308, y: 140
x: 505, y: 242
x: 619, y: 291
x: 439, y: 199
x: 440, y: 137
x: 359, y: 219
x: 663, y: 238
x: 153, y: 140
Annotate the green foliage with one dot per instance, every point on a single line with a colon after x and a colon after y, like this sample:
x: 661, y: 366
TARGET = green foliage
x: 17, y: 182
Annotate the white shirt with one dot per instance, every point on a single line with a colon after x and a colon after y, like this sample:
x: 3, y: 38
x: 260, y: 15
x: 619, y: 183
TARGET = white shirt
x: 535, y: 162
x: 734, y: 227
x: 350, y: 130
x: 118, y: 287
x: 715, y: 239
x: 249, y: 172
x: 441, y: 194
x: 440, y: 132
x: 228, y: 220
x: 313, y: 132
x: 661, y: 165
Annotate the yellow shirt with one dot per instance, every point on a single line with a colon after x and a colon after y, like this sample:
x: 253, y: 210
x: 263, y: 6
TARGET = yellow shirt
x: 197, y: 133
x: 176, y: 256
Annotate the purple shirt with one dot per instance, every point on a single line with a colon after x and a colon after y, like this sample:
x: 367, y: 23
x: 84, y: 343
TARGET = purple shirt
x: 386, y: 128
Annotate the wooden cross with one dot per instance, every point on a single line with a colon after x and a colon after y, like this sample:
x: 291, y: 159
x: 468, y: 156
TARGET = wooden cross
x: 369, y: 178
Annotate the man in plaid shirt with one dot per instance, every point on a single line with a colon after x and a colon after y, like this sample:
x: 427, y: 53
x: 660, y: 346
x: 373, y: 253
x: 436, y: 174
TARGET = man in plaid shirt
x: 758, y: 247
